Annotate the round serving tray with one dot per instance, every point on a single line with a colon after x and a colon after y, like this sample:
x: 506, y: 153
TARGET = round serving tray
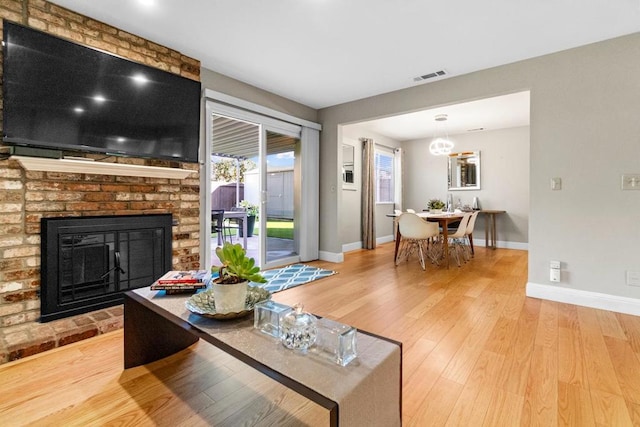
x: 204, y: 304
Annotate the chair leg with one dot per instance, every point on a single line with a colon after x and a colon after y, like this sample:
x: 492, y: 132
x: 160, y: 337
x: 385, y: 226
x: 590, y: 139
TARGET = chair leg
x: 403, y: 251
x: 421, y: 254
x: 434, y: 250
x: 455, y: 248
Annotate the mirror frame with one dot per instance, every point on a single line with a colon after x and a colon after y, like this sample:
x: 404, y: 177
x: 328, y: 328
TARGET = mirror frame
x: 451, y: 166
x: 348, y: 165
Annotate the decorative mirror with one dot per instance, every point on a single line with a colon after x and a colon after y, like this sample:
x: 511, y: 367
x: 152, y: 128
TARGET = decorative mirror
x: 348, y: 164
x: 464, y: 171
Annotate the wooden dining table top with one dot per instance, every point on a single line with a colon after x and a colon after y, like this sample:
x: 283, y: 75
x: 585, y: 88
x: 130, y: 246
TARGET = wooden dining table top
x: 435, y: 216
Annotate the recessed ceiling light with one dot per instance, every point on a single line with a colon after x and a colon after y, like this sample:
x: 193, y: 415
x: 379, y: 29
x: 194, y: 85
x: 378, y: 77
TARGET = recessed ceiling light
x: 99, y: 98
x: 78, y: 110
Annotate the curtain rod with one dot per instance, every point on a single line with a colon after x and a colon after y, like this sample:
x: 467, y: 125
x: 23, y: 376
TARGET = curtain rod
x: 386, y: 146
x: 381, y: 145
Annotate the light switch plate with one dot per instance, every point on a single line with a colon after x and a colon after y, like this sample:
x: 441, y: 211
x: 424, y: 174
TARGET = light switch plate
x: 631, y: 181
x: 556, y: 183
x: 633, y: 278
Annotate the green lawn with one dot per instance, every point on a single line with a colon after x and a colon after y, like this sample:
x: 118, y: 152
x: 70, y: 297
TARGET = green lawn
x: 280, y: 228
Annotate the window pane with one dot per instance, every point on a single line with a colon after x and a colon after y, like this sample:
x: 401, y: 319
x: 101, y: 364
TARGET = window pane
x: 384, y: 177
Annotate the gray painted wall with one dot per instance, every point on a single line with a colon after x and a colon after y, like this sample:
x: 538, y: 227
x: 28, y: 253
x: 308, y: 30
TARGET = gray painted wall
x: 351, y: 219
x: 504, y: 180
x: 221, y: 83
x: 584, y: 129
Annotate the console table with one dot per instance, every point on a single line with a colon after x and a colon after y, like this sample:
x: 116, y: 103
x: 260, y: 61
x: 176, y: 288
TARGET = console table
x: 490, y: 227
x: 365, y: 392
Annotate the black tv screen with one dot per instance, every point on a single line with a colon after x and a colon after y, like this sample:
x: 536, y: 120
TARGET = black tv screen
x: 64, y: 96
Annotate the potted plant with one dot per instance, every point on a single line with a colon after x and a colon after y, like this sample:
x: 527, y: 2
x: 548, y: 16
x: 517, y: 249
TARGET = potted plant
x: 234, y: 275
x: 252, y: 212
x: 435, y: 205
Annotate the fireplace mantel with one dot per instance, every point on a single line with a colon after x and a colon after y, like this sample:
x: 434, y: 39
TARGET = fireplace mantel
x: 99, y: 168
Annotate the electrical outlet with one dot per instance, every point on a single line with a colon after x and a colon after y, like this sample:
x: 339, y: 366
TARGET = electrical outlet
x: 633, y: 278
x: 554, y: 264
x: 554, y: 274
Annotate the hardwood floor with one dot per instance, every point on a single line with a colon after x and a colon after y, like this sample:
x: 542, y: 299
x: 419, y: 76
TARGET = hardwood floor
x: 476, y: 352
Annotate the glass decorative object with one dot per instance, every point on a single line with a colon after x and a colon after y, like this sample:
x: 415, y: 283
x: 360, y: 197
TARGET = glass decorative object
x: 336, y: 341
x: 299, y: 329
x: 269, y: 316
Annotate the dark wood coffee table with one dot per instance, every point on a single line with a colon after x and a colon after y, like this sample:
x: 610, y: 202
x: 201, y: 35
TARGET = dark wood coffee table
x: 365, y: 392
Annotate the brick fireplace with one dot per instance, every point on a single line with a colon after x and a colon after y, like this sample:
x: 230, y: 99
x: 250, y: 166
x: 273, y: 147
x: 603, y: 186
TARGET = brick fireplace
x: 28, y: 196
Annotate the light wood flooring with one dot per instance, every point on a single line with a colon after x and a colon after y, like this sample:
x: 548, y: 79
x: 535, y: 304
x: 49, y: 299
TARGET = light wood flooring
x: 476, y: 352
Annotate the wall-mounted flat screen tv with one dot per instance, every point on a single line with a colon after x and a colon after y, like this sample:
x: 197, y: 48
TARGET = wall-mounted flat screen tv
x: 61, y: 95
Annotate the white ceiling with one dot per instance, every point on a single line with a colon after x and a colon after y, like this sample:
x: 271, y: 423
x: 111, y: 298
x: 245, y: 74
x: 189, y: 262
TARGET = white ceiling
x: 326, y: 52
x: 488, y: 114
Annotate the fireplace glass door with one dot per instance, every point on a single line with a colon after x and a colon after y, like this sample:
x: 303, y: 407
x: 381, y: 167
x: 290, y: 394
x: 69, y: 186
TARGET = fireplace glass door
x: 88, y: 262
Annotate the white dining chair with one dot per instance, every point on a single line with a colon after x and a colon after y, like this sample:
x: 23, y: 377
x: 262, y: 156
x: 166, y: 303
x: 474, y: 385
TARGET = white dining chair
x: 418, y: 235
x: 411, y: 211
x: 468, y: 235
x: 457, y: 239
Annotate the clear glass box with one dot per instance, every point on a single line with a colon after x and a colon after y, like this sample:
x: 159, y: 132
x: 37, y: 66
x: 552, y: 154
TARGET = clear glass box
x: 268, y: 317
x: 336, y: 341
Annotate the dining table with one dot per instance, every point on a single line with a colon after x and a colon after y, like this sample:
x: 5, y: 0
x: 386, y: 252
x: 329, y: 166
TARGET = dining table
x: 443, y: 220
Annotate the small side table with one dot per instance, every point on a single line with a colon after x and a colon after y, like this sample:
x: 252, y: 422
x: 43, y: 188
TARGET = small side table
x: 490, y: 227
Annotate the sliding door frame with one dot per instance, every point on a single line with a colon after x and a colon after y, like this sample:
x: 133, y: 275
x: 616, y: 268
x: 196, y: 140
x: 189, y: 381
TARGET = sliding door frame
x: 306, y: 208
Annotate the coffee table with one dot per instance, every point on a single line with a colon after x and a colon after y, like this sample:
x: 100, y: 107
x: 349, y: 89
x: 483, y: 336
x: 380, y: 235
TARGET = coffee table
x: 368, y: 391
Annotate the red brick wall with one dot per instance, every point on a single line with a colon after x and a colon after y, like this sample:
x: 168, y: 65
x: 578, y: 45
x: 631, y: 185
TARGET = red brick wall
x: 25, y: 196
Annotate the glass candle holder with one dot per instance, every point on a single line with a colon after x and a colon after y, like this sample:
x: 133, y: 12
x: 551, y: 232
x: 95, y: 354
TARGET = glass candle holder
x: 336, y: 341
x: 268, y: 317
x: 299, y: 330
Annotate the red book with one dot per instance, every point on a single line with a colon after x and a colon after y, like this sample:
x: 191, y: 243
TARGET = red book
x: 192, y: 276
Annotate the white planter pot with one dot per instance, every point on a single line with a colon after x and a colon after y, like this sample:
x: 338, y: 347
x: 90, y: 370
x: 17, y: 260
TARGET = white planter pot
x: 230, y: 298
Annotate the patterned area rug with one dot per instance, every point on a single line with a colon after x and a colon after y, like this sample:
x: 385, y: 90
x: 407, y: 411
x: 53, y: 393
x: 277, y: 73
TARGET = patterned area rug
x: 290, y: 276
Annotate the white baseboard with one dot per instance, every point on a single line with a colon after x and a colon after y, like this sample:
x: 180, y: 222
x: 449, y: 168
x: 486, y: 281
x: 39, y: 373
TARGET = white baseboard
x: 331, y: 256
x: 384, y: 239
x: 584, y: 298
x: 348, y: 247
x: 502, y: 244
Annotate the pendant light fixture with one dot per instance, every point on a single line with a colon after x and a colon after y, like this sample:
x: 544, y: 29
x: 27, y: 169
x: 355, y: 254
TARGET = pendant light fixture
x: 441, y: 145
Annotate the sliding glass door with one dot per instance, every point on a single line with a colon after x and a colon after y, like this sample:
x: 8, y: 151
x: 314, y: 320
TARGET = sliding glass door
x: 234, y: 183
x: 254, y: 163
x: 281, y: 170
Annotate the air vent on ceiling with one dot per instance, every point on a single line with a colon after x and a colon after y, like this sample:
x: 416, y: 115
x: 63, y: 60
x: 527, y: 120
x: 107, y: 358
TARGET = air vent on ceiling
x: 430, y: 76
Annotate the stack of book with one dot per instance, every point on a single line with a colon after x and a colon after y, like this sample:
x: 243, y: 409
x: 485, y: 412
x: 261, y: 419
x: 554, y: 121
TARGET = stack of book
x: 174, y: 282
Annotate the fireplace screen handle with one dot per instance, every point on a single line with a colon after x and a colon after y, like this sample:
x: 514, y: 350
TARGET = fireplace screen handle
x: 115, y: 267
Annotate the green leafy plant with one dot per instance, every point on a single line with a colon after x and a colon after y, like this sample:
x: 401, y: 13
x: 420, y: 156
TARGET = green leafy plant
x: 252, y: 210
x: 229, y: 170
x: 435, y: 204
x: 236, y: 266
